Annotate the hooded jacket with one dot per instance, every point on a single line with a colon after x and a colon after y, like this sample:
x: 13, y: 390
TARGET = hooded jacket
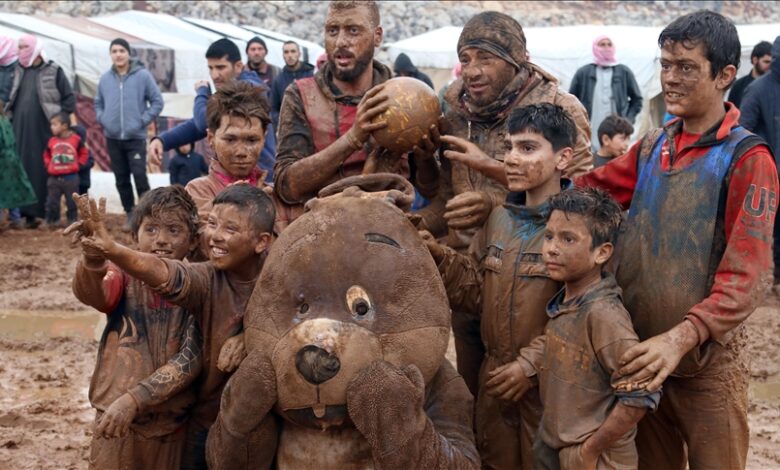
x: 404, y: 66
x: 761, y: 104
x: 126, y: 104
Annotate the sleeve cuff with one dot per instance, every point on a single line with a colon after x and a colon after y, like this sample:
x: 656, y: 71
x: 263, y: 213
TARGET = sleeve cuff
x: 141, y: 397
x: 528, y: 368
x: 701, y: 328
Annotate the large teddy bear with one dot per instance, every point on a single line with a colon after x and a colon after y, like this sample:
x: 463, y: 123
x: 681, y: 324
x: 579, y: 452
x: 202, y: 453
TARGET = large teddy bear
x: 346, y: 333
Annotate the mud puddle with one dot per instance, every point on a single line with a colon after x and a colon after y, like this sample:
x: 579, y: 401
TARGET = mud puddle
x: 38, y: 325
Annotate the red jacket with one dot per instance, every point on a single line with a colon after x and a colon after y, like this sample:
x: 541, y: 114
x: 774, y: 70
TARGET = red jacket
x: 64, y: 156
x: 750, y: 209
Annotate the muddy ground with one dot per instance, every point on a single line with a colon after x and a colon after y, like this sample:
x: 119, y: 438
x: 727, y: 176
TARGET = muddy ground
x: 47, y: 351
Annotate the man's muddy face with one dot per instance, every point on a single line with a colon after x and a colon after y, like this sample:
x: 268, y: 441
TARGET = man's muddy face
x: 485, y: 75
x: 166, y: 236
x: 232, y: 238
x: 530, y: 161
x: 566, y: 251
x: 222, y: 70
x: 350, y: 40
x: 761, y: 64
x: 686, y: 80
x: 238, y: 143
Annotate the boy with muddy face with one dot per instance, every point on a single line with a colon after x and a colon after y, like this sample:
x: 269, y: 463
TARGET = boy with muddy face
x: 697, y: 251
x: 504, y: 283
x: 216, y: 292
x: 589, y: 419
x: 150, y: 349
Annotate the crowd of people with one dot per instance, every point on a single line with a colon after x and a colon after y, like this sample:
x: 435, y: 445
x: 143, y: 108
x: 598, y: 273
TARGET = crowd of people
x: 589, y: 337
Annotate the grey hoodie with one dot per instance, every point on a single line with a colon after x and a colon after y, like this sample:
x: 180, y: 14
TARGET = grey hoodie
x: 761, y: 104
x: 125, y: 105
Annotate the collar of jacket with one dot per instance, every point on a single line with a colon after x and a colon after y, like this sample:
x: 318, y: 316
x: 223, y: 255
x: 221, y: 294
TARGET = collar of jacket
x: 715, y: 135
x: 134, y: 66
x: 324, y: 79
x: 515, y: 204
x: 219, y: 172
x: 606, y: 287
x: 303, y: 68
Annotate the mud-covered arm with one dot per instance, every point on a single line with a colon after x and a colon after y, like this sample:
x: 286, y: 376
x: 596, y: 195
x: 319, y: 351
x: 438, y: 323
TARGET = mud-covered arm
x: 98, y: 284
x: 463, y: 274
x: 531, y: 356
x: 175, y: 375
x: 409, y: 428
x: 245, y: 432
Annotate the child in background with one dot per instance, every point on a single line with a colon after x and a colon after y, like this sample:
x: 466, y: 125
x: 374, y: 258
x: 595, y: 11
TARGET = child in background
x: 187, y: 165
x: 150, y: 351
x: 15, y: 188
x: 614, y: 133
x: 589, y: 419
x: 63, y: 157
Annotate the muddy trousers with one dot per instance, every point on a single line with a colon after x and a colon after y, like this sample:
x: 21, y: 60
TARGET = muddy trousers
x: 468, y: 348
x: 135, y: 452
x: 194, y: 457
x: 705, y: 415
x: 505, y: 432
x: 128, y: 157
x: 621, y: 456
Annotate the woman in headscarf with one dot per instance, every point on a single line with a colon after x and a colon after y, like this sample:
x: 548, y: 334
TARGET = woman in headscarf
x: 40, y: 90
x: 605, y: 87
x: 9, y: 58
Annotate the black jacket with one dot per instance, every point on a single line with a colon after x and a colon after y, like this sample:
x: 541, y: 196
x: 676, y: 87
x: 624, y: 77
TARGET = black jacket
x: 625, y: 91
x: 404, y: 66
x: 281, y: 82
x: 761, y: 104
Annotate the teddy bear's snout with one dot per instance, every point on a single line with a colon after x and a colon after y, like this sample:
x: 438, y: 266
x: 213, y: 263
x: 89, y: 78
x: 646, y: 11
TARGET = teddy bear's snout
x: 316, y: 365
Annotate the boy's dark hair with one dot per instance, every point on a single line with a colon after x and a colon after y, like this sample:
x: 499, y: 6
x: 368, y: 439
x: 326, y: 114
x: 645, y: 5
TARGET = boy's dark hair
x: 601, y: 213
x: 761, y: 49
x: 373, y: 8
x: 714, y: 31
x: 166, y: 199
x: 62, y: 116
x: 549, y: 120
x: 255, y: 202
x: 222, y: 48
x: 613, y: 125
x: 240, y: 99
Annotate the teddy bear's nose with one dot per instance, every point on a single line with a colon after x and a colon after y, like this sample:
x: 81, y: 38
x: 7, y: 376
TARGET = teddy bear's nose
x: 316, y: 365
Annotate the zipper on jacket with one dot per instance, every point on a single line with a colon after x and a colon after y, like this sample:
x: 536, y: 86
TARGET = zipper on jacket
x: 121, y: 108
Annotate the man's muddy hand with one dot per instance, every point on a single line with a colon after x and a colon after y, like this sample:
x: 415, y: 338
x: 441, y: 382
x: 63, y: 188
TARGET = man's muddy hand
x: 465, y: 151
x: 429, y: 144
x: 467, y: 210
x: 116, y: 420
x: 437, y: 251
x: 382, y: 160
x: 652, y: 360
x: 232, y: 353
x: 372, y: 105
x: 508, y: 382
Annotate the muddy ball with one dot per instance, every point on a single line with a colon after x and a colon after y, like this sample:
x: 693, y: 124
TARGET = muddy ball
x: 414, y: 107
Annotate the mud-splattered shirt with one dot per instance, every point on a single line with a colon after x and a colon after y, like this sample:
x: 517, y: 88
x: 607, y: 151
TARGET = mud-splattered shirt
x: 217, y: 301
x: 150, y: 349
x: 577, y: 361
x: 745, y: 268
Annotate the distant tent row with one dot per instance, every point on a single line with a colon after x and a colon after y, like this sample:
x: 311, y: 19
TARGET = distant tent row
x: 172, y: 49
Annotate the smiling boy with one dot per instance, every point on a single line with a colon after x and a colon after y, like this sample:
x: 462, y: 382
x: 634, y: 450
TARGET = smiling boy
x: 696, y: 256
x: 504, y: 282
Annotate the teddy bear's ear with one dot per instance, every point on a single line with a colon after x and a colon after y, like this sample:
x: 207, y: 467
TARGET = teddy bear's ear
x: 393, y: 188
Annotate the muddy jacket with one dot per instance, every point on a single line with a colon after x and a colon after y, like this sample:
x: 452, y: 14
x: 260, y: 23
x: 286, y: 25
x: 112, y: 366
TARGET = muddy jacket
x: 150, y: 349
x: 719, y: 187
x: 54, y: 91
x: 577, y: 361
x: 314, y: 114
x: 488, y: 130
x: 126, y: 104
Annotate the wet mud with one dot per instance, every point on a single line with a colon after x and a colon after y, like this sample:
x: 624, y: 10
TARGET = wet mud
x: 48, y: 345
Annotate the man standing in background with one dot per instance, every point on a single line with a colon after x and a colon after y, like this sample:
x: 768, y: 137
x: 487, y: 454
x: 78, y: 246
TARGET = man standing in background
x: 293, y: 70
x: 760, y: 58
x: 127, y: 101
x: 256, y: 50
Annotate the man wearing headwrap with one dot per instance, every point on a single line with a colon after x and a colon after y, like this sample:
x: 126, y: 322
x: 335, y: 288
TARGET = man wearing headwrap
x: 39, y: 91
x: 495, y: 78
x: 9, y: 58
x: 605, y: 87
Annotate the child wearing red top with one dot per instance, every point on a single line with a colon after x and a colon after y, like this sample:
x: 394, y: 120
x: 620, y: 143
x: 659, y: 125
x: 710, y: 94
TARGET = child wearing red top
x: 62, y: 158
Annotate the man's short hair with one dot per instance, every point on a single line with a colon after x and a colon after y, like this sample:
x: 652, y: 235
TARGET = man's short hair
x: 601, y: 213
x: 712, y: 30
x: 373, y: 8
x: 613, y: 125
x: 761, y: 49
x: 240, y: 99
x: 549, y: 120
x: 161, y: 202
x: 224, y: 48
x: 297, y: 46
x: 253, y: 202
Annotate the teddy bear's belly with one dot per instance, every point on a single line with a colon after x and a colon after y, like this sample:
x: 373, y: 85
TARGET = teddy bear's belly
x: 302, y: 448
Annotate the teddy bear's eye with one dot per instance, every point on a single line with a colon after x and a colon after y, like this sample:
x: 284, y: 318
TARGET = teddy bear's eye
x: 358, y: 301
x: 303, y: 309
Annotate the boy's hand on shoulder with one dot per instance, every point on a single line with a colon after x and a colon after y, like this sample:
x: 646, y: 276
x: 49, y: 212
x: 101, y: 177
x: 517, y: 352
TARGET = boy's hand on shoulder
x: 231, y: 354
x: 464, y: 151
x: 467, y: 210
x: 116, y: 420
x: 508, y: 382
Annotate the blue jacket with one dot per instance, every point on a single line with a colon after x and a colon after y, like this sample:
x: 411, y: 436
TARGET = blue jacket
x: 124, y: 106
x: 761, y: 104
x: 281, y: 82
x: 193, y: 130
